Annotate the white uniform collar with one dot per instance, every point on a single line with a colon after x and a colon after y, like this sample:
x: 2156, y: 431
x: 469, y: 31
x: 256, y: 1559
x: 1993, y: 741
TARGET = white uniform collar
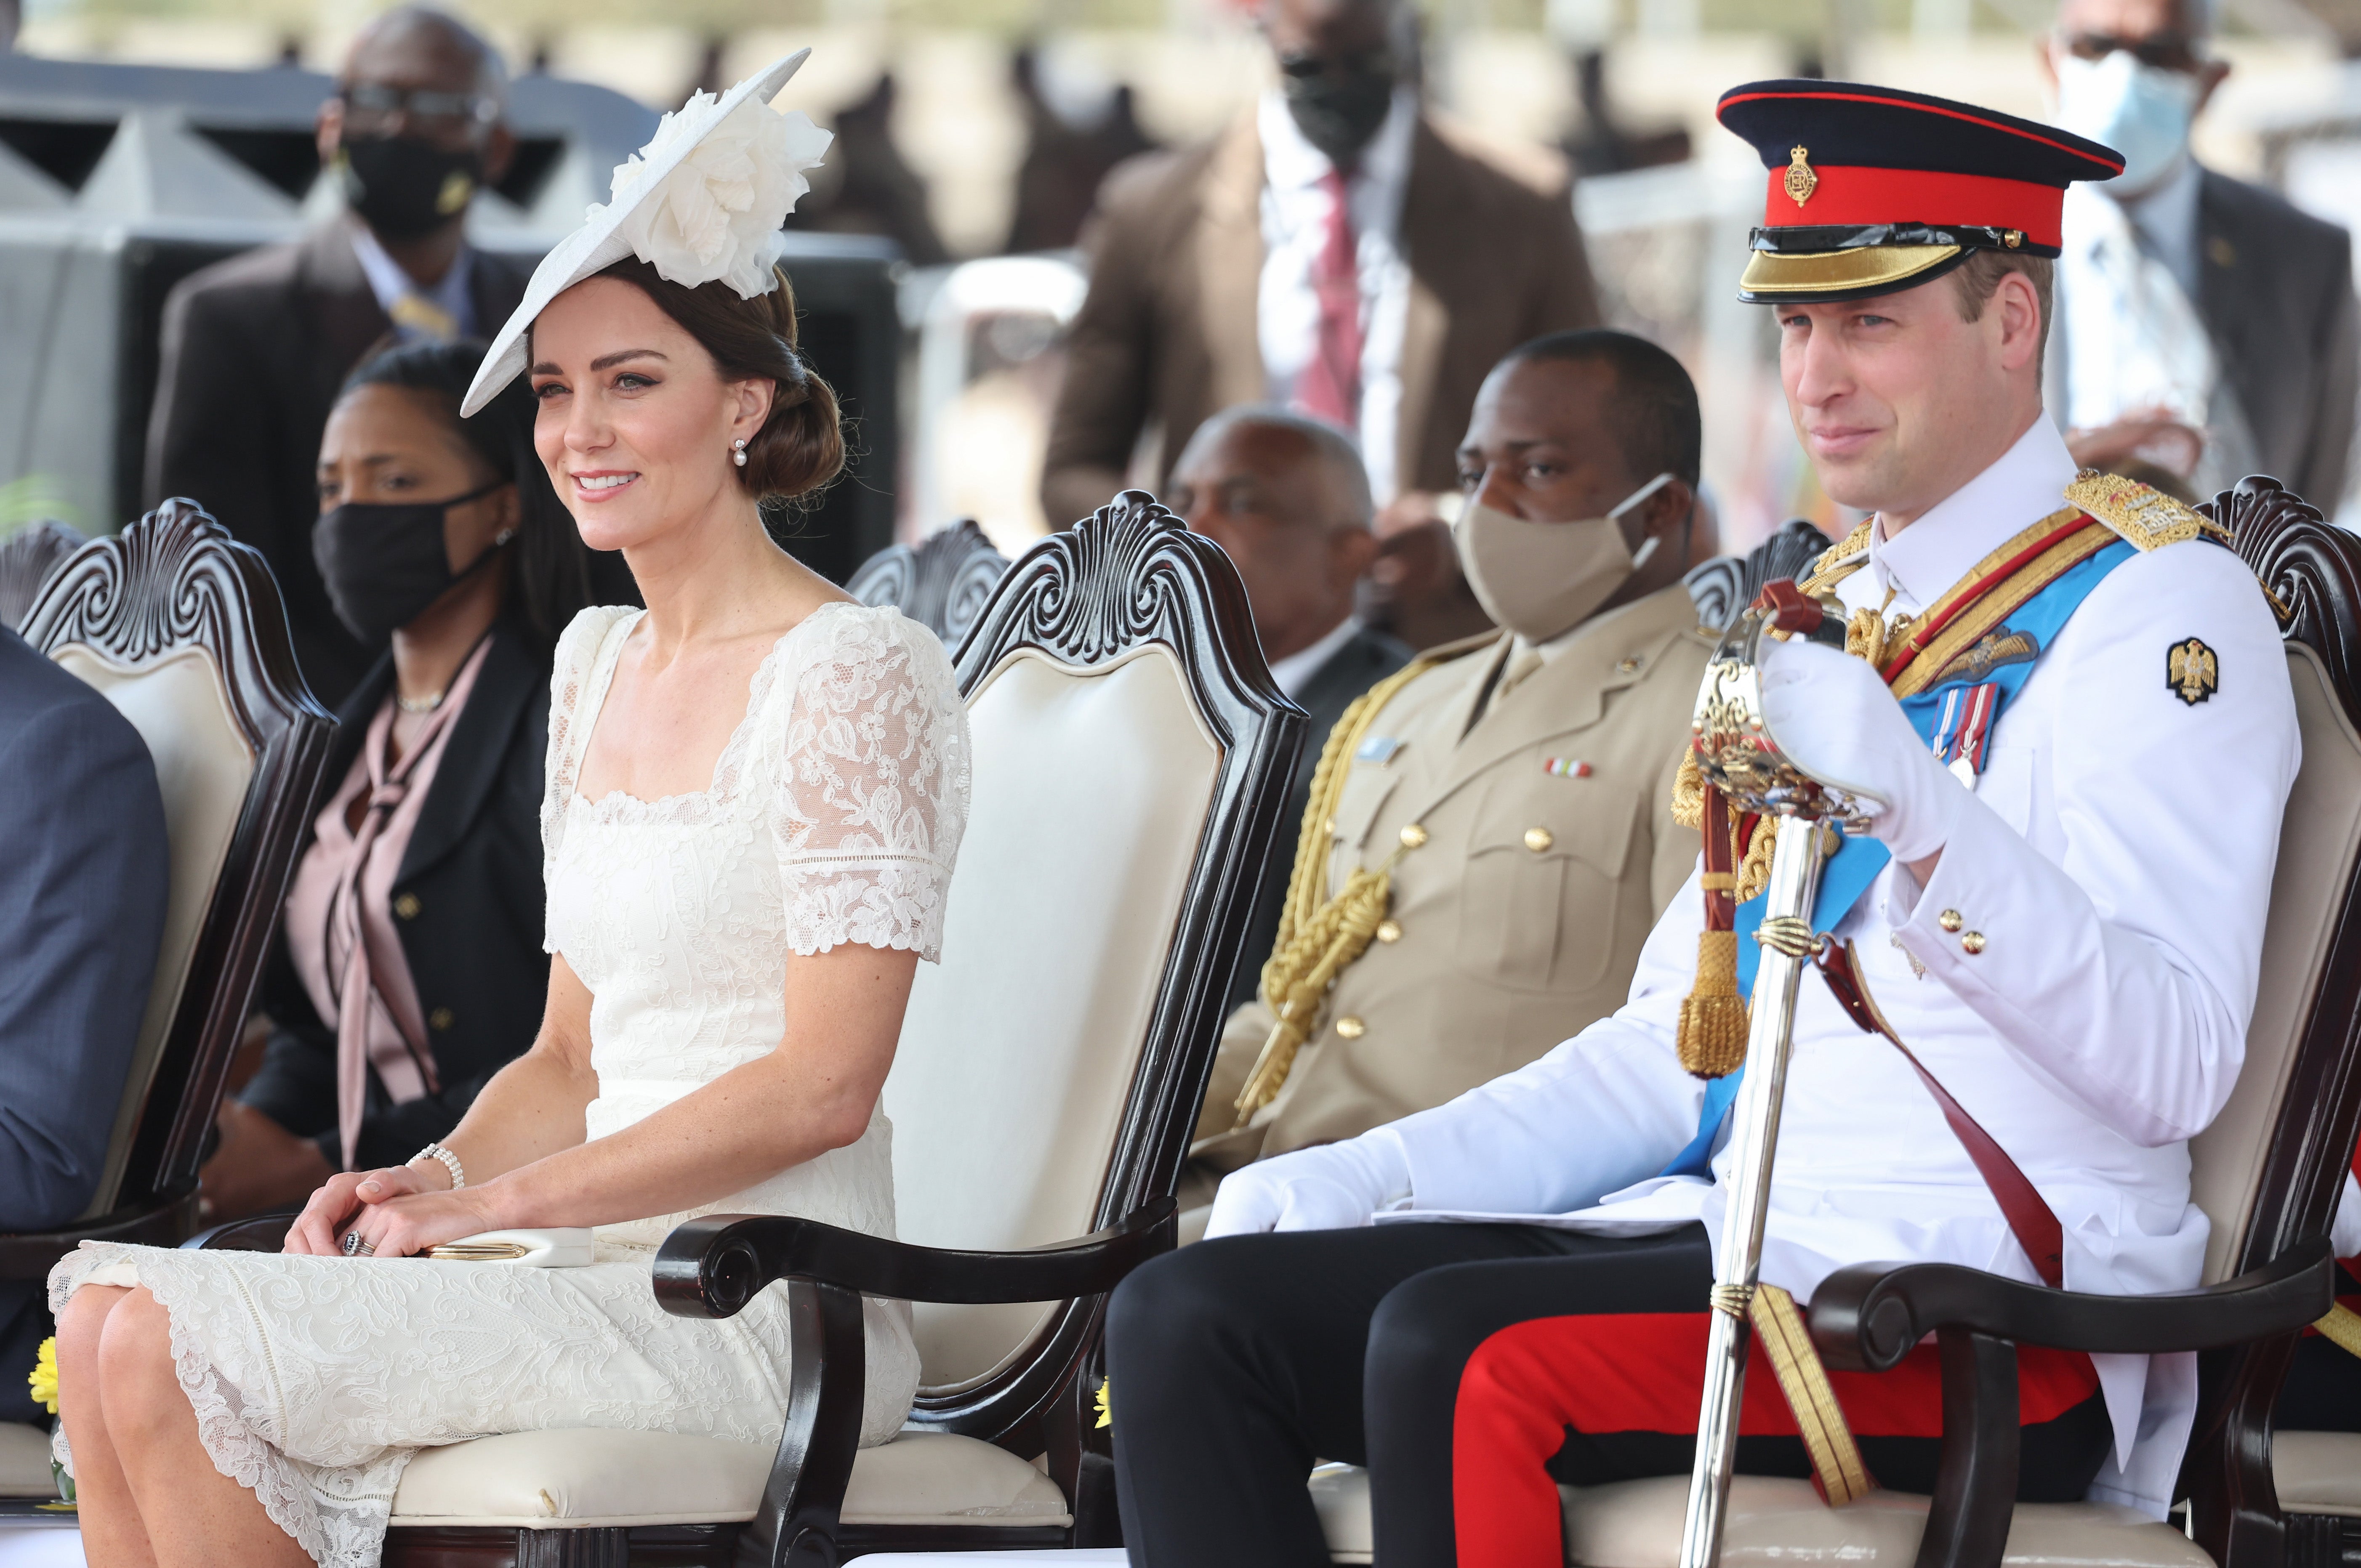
x: 1294, y: 671
x: 2024, y: 486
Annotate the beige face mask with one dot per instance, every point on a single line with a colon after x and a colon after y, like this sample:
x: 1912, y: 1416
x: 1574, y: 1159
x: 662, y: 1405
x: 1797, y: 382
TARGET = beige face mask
x: 1539, y: 579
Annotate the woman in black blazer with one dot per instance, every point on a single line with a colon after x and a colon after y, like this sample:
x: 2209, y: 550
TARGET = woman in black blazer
x: 409, y: 968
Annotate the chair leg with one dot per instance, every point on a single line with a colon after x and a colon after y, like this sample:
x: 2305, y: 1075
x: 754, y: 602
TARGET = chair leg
x: 574, y: 1548
x: 1975, y: 1487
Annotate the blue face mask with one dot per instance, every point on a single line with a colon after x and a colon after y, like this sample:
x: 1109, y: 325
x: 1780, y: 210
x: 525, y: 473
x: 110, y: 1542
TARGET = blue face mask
x: 2142, y: 111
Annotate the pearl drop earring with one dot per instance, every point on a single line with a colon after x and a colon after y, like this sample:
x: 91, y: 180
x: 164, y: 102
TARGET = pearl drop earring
x: 739, y: 456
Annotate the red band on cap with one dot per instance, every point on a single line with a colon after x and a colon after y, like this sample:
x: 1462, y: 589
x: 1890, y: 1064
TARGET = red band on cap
x: 1856, y: 196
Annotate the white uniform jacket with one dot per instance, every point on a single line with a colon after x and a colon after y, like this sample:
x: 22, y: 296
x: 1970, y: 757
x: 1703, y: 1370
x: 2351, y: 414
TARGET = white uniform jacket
x: 2117, y: 863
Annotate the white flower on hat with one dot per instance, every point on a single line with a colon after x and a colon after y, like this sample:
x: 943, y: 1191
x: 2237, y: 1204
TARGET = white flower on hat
x: 715, y: 215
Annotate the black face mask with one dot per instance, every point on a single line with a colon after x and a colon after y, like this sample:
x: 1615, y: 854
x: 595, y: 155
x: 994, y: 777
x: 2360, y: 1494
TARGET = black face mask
x: 384, y: 564
x: 1338, y: 105
x: 404, y: 188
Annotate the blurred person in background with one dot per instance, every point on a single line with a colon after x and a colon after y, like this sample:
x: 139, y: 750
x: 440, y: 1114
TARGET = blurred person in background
x: 868, y: 187
x: 2207, y: 327
x: 84, y: 869
x: 1510, y: 791
x: 1285, y: 498
x: 1338, y: 250
x: 1070, y: 149
x: 256, y: 348
x: 409, y: 968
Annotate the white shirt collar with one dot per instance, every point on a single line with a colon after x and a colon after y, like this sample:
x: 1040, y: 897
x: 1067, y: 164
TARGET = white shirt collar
x: 389, y: 282
x: 1292, y: 163
x: 1294, y: 671
x: 2024, y: 486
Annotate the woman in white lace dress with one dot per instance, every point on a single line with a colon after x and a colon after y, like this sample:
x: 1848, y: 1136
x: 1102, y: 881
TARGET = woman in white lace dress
x: 755, y: 792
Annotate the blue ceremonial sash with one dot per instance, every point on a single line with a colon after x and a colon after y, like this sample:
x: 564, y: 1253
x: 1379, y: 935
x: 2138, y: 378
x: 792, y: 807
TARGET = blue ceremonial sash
x: 1936, y: 713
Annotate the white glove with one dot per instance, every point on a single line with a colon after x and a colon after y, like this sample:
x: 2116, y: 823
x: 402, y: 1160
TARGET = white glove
x: 1332, y: 1187
x: 1837, y: 721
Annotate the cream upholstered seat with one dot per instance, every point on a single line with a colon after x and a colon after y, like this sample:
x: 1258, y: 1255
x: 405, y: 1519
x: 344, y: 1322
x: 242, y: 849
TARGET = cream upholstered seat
x: 543, y: 1480
x: 25, y: 1462
x: 182, y: 630
x: 1130, y: 757
x: 2250, y: 1170
x: 2318, y: 1472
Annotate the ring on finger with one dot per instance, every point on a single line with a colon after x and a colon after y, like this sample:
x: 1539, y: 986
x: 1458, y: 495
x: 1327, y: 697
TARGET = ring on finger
x: 356, y: 1248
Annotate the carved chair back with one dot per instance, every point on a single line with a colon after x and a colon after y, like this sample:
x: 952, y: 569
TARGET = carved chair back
x: 942, y: 584
x: 26, y: 558
x: 1727, y: 584
x: 184, y: 629
x: 1131, y: 761
x: 2269, y: 1169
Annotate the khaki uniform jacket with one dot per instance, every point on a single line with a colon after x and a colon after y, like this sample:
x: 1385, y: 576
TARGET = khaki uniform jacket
x: 1522, y: 913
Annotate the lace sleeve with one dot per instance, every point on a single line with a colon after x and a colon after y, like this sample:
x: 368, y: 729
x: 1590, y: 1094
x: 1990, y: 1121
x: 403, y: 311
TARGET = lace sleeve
x: 571, y: 673
x: 871, y: 795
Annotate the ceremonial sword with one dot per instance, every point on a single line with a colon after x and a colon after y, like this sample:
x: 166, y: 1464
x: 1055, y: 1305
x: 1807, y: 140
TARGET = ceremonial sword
x: 1737, y: 754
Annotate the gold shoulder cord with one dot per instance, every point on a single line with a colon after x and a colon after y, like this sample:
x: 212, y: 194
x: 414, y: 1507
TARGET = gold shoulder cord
x: 1318, y: 941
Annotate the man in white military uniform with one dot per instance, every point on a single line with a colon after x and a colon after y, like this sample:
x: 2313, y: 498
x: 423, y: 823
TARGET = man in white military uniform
x: 2067, y: 943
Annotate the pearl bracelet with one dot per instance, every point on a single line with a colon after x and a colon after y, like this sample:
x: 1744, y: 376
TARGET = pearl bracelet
x: 450, y: 1163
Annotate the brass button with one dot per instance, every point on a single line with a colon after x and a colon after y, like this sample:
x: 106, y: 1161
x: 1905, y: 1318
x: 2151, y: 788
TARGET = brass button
x: 439, y: 1019
x: 1625, y: 667
x: 1950, y: 920
x: 406, y: 906
x: 1538, y: 839
x: 1388, y: 930
x: 1413, y: 836
x: 1351, y: 1028
x: 1973, y: 941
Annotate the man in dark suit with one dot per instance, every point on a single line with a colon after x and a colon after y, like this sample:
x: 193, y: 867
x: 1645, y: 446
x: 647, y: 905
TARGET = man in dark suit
x: 256, y: 348
x: 1287, y: 500
x: 84, y: 867
x: 2206, y: 326
x: 1337, y: 249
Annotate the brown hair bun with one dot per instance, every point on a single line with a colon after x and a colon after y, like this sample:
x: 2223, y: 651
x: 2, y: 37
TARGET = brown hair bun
x: 800, y: 448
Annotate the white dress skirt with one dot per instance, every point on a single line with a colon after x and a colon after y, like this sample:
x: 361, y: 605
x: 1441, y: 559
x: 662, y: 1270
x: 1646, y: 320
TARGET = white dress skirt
x: 834, y: 818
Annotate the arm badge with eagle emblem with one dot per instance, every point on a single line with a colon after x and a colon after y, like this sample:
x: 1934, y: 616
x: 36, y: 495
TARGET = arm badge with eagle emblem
x: 2191, y: 671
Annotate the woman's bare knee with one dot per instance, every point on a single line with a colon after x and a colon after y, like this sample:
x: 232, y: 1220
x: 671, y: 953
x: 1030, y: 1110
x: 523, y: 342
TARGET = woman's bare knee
x: 140, y: 1390
x: 80, y: 1327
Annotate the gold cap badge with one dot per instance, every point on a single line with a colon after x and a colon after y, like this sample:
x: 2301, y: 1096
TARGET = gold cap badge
x: 1801, y: 181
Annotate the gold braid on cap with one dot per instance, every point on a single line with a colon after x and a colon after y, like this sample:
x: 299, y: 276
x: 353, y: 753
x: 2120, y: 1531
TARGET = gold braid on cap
x: 1318, y: 941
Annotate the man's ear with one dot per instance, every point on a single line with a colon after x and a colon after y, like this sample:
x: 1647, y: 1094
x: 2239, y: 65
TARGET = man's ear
x: 1354, y: 551
x: 499, y: 152
x: 2017, y: 306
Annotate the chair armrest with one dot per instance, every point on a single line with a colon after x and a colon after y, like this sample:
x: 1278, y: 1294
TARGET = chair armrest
x: 1866, y: 1318
x: 712, y: 1267
x: 256, y: 1233
x: 30, y: 1254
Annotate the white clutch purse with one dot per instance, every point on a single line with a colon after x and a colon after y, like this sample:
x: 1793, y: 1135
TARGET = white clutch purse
x: 568, y: 1248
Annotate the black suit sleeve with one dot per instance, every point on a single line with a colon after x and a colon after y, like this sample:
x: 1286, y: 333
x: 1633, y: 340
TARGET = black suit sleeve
x: 209, y: 435
x: 82, y: 885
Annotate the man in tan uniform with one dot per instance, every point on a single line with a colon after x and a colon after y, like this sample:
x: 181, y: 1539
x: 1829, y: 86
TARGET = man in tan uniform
x: 1512, y: 787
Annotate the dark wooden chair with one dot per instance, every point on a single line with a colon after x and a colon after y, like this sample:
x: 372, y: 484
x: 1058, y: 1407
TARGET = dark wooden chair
x: 943, y: 584
x: 182, y: 629
x: 1728, y: 584
x: 1131, y: 762
x: 26, y: 558
x: 2267, y: 1173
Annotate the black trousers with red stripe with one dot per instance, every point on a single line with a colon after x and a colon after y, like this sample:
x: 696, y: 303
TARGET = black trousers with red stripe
x: 1235, y: 1364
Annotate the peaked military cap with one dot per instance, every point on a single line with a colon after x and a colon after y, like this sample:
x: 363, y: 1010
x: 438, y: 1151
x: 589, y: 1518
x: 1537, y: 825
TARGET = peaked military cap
x: 1872, y: 189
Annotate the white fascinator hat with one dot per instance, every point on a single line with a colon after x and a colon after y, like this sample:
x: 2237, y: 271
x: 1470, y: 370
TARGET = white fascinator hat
x: 702, y: 202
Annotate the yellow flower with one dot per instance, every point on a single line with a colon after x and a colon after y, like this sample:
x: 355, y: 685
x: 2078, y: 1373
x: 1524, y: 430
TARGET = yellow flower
x: 45, y: 1375
x: 1107, y: 1412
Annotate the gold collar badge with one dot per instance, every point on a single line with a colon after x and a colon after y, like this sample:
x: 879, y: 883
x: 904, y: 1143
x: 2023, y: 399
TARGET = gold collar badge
x: 1801, y: 181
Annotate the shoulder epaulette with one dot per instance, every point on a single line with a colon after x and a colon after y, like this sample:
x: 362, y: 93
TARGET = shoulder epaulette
x: 2141, y: 515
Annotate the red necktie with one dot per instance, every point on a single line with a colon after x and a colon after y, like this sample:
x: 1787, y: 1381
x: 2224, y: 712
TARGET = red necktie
x: 1330, y: 386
